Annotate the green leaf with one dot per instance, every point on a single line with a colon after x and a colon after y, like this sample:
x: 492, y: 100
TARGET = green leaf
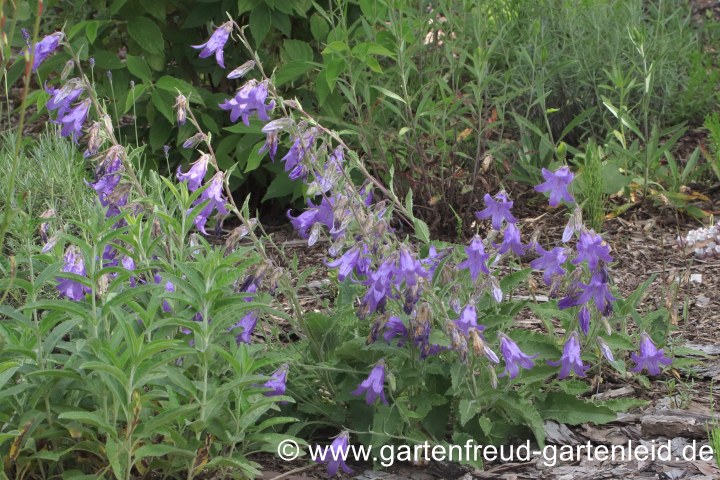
x: 175, y: 85
x: 164, y: 103
x: 139, y: 67
x: 291, y: 71
x: 568, y: 409
x: 91, y: 30
x: 147, y: 34
x: 514, y: 279
x: 90, y: 419
x: 467, y: 409
x: 319, y: 27
x: 388, y: 93
x: 255, y: 158
x: 281, y: 186
x: 260, y: 21
x: 422, y: 232
x: 159, y: 450
x: 296, y: 50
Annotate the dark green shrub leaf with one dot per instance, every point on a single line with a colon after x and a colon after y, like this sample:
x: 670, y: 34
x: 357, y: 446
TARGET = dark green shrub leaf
x: 147, y: 34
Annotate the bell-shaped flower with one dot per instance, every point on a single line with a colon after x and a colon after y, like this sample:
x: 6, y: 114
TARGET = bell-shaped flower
x: 550, y: 262
x: 373, y: 386
x: 277, y: 382
x: 477, y: 258
x: 355, y: 259
x: 467, y: 319
x: 216, y: 43
x: 592, y: 249
x: 650, y: 357
x: 70, y: 288
x: 249, y: 100
x: 335, y: 455
x: 72, y: 122
x: 196, y: 173
x: 570, y: 360
x: 511, y: 241
x: 498, y: 209
x: 514, y: 357
x: 45, y: 47
x: 557, y: 184
x: 214, y: 195
x: 247, y: 323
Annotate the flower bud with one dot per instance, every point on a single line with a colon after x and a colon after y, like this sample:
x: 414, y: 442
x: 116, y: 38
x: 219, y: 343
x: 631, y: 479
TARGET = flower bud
x: 242, y: 70
x: 181, y: 108
x: 67, y: 70
x: 195, y: 140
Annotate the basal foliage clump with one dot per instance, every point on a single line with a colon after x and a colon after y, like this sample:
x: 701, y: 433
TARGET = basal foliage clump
x: 163, y: 354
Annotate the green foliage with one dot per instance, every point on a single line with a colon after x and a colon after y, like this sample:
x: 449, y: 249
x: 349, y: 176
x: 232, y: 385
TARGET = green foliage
x: 426, y: 91
x: 132, y: 381
x: 50, y: 180
x: 593, y: 186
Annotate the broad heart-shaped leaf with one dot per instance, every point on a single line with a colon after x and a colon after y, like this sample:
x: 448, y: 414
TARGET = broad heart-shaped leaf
x: 139, y: 67
x: 260, y: 21
x: 570, y: 410
x: 147, y: 34
x: 291, y: 71
x: 175, y: 85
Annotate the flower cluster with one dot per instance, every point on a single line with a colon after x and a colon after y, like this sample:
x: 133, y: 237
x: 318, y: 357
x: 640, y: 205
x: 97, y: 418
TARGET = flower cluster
x: 704, y: 242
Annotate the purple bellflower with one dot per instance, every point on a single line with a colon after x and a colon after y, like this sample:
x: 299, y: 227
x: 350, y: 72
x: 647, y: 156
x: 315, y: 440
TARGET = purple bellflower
x: 322, y: 214
x: 409, y: 268
x: 511, y: 241
x: 247, y: 323
x: 592, y: 249
x: 73, y: 121
x: 169, y: 287
x: 335, y: 455
x: 557, y: 184
x: 584, y: 319
x: 477, y: 258
x: 45, y: 47
x: 514, y: 357
x: 129, y: 264
x: 69, y: 288
x: 293, y: 158
x: 373, y: 385
x: 550, y: 262
x: 650, y: 357
x: 355, y: 259
x: 248, y: 100
x: 597, y: 290
x: 270, y: 145
x: 62, y: 98
x: 570, y: 359
x: 468, y: 319
x: 277, y: 382
x: 216, y: 43
x: 213, y: 193
x: 498, y: 209
x: 196, y: 173
x: 395, y: 327
x: 379, y: 288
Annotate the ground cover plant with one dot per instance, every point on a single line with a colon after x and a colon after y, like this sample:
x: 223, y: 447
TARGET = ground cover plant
x: 133, y: 346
